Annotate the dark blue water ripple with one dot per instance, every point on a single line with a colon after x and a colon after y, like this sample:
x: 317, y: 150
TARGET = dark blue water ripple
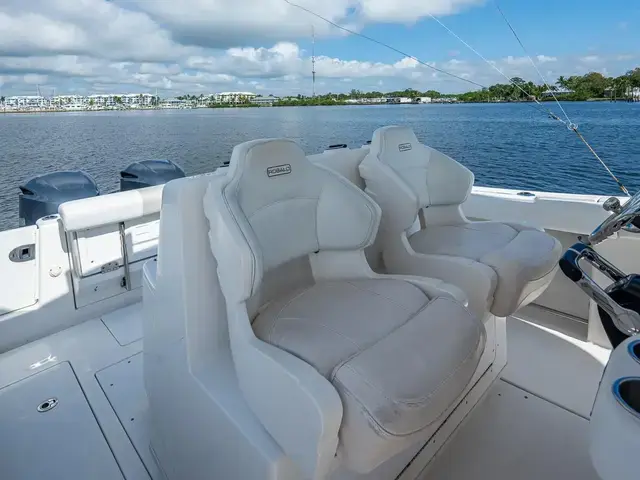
x: 506, y: 145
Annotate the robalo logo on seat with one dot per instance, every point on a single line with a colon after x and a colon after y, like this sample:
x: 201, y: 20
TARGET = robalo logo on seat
x: 403, y: 147
x: 278, y: 170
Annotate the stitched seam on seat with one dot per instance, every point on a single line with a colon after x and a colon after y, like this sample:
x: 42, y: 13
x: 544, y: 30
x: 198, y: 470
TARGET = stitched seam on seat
x: 402, y: 401
x: 233, y: 216
x: 391, y: 300
x: 360, y: 348
x: 529, y: 280
x: 470, y: 226
x: 354, y: 355
x: 314, y: 322
x: 299, y: 295
x: 417, y: 401
x: 282, y: 200
x: 408, y: 402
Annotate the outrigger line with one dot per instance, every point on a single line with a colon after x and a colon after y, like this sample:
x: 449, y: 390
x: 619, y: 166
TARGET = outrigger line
x: 570, y: 125
x: 538, y: 106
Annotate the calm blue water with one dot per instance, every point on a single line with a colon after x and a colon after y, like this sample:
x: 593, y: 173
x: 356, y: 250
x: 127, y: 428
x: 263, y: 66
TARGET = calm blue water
x: 506, y: 145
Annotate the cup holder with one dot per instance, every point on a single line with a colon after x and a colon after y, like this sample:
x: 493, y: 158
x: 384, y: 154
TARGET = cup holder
x: 627, y: 393
x: 634, y: 350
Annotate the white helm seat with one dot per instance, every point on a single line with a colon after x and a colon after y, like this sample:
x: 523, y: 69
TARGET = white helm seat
x: 352, y: 367
x: 500, y: 266
x: 397, y: 359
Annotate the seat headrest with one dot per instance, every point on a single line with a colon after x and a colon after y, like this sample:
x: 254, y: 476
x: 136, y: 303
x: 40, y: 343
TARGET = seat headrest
x: 273, y: 156
x: 433, y: 177
x: 388, y: 142
x: 276, y: 206
x: 399, y: 148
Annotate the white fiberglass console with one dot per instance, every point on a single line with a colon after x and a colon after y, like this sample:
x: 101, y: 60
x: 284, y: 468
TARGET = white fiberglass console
x: 615, y: 419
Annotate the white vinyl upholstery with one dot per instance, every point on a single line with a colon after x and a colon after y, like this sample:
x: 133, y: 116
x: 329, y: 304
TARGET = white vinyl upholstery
x: 286, y: 207
x: 368, y: 337
x: 500, y: 266
x: 520, y: 256
x: 353, y: 369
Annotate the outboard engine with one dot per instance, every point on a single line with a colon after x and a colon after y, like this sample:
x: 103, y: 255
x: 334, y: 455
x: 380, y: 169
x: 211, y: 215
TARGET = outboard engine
x: 42, y: 195
x: 148, y: 173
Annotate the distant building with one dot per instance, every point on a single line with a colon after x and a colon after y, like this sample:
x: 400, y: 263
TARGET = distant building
x: 374, y: 100
x: 234, y: 97
x: 137, y: 99
x: 26, y: 102
x: 264, y: 101
x: 424, y: 99
x: 557, y: 91
x: 174, y: 103
x: 59, y: 101
x: 205, y: 100
x: 399, y: 100
x: 634, y: 93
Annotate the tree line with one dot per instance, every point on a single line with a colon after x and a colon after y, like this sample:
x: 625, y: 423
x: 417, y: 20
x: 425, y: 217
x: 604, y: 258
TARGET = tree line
x: 592, y: 85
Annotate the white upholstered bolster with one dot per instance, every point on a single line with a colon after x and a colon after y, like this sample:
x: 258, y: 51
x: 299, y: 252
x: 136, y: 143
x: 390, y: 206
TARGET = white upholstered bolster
x: 448, y: 182
x: 399, y: 203
x: 108, y: 209
x: 239, y: 267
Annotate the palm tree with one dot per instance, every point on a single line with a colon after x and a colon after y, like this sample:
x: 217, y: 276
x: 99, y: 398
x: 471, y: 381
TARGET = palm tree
x: 562, y: 81
x: 2, y: 99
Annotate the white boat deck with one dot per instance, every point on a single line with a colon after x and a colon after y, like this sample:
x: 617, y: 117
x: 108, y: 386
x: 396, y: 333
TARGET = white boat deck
x: 532, y: 424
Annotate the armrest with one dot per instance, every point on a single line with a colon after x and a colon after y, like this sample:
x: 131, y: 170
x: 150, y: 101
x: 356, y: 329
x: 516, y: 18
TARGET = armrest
x: 477, y: 280
x: 334, y: 265
x: 299, y: 408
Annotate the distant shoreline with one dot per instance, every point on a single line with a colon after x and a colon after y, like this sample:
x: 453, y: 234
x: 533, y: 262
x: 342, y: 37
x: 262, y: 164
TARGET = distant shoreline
x: 295, y: 104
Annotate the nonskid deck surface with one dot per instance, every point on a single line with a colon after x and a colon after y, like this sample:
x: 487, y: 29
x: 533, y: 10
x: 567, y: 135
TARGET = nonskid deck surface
x: 83, y: 350
x: 516, y: 435
x: 531, y: 424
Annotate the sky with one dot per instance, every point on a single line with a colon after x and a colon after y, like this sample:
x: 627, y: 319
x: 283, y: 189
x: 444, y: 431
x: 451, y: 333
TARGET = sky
x: 264, y: 46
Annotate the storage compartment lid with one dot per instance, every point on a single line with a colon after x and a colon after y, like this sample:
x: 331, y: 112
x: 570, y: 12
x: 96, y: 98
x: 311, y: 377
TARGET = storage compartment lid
x: 49, y: 431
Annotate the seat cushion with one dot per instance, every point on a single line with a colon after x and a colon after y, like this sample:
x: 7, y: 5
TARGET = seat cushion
x: 397, y: 358
x: 523, y: 258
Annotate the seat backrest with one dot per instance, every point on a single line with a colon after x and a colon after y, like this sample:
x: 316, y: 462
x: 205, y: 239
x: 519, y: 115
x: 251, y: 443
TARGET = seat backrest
x: 274, y: 206
x: 435, y: 178
x: 344, y: 161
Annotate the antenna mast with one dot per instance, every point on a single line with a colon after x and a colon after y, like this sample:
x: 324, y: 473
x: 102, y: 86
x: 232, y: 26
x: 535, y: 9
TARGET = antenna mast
x: 313, y: 60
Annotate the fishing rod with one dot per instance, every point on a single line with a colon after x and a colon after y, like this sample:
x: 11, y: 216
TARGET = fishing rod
x: 537, y: 105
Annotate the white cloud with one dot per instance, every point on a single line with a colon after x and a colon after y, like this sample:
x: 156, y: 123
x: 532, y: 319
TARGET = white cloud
x: 545, y: 59
x: 411, y: 10
x: 590, y: 59
x: 539, y: 59
x: 203, y: 45
x: 34, y: 79
x: 83, y: 27
x: 229, y: 22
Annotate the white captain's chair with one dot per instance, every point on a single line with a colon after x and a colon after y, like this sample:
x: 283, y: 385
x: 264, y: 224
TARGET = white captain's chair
x: 500, y: 266
x: 343, y: 367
